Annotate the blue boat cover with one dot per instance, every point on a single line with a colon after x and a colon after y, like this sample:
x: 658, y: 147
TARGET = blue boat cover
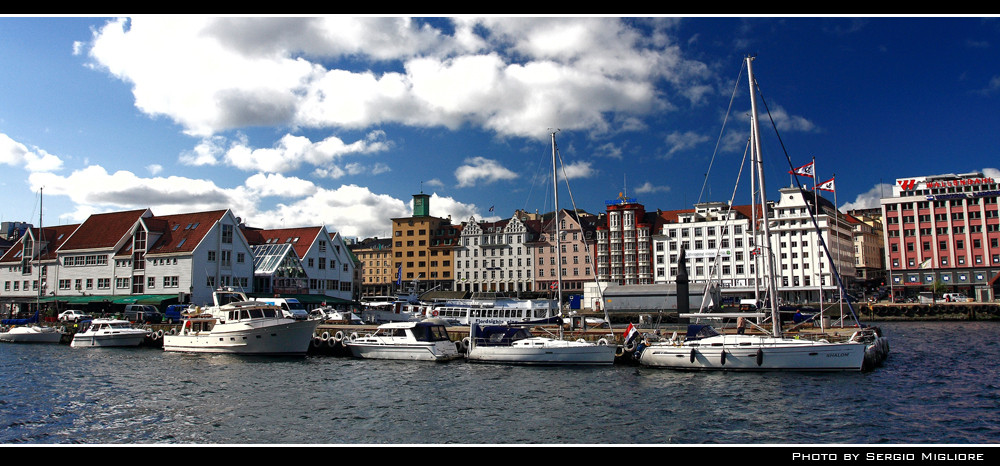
x: 699, y: 331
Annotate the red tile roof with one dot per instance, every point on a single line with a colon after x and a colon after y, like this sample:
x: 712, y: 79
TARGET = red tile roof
x: 54, y: 236
x: 103, y: 230
x: 180, y: 232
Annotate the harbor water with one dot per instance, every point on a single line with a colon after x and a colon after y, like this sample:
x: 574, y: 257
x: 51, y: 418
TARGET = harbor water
x: 940, y: 385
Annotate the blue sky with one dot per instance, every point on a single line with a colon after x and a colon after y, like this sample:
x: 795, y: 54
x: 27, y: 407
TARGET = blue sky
x: 297, y: 121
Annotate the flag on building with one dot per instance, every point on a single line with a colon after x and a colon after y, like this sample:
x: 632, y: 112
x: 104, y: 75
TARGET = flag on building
x: 491, y: 208
x: 826, y: 185
x: 554, y: 285
x: 805, y: 170
x: 399, y: 276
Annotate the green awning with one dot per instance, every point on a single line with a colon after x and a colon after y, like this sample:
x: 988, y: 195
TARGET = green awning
x: 144, y: 299
x: 76, y: 299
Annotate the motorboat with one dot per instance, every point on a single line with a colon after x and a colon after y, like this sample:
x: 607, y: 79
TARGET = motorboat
x: 427, y: 340
x: 509, y: 344
x: 29, y: 331
x: 31, y: 334
x: 108, y: 332
x: 237, y: 325
x: 328, y: 313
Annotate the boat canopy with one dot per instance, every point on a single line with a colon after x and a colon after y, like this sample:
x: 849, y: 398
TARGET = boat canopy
x: 31, y: 320
x: 499, y: 335
x: 699, y: 331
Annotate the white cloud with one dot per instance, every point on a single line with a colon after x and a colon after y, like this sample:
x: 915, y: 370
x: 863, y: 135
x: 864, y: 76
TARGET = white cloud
x: 509, y: 75
x: 15, y: 154
x: 648, y: 187
x: 869, y: 199
x: 478, y: 169
x: 154, y: 168
x: 580, y: 169
x: 683, y: 141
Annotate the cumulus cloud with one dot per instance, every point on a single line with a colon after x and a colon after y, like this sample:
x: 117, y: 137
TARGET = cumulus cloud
x: 15, y: 154
x: 869, y: 199
x: 481, y: 169
x: 648, y: 187
x: 508, y: 75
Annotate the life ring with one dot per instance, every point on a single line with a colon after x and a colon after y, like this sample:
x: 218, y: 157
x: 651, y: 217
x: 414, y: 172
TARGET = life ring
x: 187, y: 324
x: 602, y: 342
x: 630, y: 346
x: 434, y: 313
x: 331, y: 342
x: 159, y: 333
x: 325, y: 336
x: 339, y: 336
x: 354, y: 336
x: 317, y: 342
x: 619, y: 352
x: 173, y: 331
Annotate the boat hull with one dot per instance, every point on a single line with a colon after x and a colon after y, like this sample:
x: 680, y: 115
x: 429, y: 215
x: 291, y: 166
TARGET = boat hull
x: 290, y: 338
x: 745, y: 354
x: 541, y: 355
x: 83, y: 340
x: 412, y: 352
x: 31, y: 335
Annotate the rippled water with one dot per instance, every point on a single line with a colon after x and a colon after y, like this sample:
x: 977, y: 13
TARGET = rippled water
x: 939, y: 386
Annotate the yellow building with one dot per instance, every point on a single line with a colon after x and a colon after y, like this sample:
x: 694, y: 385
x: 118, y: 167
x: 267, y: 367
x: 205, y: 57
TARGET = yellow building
x: 422, y: 249
x: 377, y: 272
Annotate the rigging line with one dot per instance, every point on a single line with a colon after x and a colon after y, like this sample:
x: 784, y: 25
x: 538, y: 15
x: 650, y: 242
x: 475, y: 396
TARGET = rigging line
x: 586, y: 248
x: 534, y: 178
x: 729, y: 211
x: 836, y: 216
x: 721, y: 131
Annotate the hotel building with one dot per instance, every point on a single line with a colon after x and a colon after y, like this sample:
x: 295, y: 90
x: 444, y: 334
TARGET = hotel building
x: 943, y: 230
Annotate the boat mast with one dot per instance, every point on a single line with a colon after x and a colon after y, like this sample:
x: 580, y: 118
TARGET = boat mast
x: 769, y: 259
x: 555, y: 199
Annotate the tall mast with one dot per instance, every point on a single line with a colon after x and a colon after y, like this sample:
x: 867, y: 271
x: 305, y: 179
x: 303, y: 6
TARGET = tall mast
x: 768, y: 258
x: 555, y: 199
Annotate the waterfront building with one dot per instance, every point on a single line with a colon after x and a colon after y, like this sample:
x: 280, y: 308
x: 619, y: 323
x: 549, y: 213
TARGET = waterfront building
x: 804, y: 269
x: 624, y: 245
x: 869, y: 250
x: 24, y: 269
x: 422, y: 248
x: 376, y: 270
x: 496, y: 257
x: 578, y: 246
x: 322, y: 269
x: 943, y: 232
x: 719, y: 246
x: 129, y: 257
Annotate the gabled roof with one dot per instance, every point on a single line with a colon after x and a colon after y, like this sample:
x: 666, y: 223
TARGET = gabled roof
x: 301, y: 239
x: 54, y: 236
x: 180, y: 232
x: 103, y: 230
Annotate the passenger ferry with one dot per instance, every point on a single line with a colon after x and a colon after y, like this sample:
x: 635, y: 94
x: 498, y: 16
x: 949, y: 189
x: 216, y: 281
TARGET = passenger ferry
x: 499, y: 311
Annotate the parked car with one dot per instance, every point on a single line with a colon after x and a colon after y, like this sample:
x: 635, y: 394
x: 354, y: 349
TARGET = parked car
x: 73, y: 315
x: 955, y: 297
x: 173, y: 312
x: 143, y: 313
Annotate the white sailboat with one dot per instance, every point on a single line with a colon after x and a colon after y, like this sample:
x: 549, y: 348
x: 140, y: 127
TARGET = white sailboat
x: 29, y: 330
x: 516, y: 345
x: 704, y: 348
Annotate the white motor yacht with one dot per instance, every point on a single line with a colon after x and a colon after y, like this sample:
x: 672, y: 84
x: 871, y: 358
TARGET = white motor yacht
x: 237, y: 325
x: 108, y: 332
x: 427, y: 340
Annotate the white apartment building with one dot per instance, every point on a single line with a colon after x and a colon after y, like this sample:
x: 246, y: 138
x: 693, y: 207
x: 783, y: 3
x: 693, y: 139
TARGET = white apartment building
x: 495, y: 256
x: 718, y: 243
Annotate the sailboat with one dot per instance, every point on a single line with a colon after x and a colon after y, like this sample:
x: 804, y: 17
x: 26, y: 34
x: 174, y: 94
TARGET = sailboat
x: 511, y: 344
x: 29, y: 330
x: 705, y: 348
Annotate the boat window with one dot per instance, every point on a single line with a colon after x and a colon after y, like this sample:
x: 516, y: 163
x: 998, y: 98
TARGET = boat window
x: 257, y: 313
